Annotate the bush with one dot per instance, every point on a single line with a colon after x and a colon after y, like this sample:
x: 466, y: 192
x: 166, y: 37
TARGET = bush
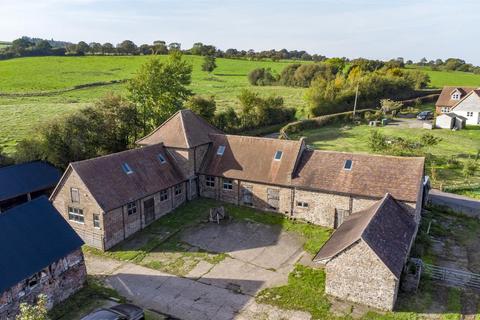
x: 204, y: 107
x: 261, y: 77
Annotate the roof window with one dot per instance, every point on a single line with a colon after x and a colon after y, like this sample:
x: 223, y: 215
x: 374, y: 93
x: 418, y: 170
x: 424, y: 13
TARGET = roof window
x: 348, y: 165
x: 220, y: 150
x: 278, y: 155
x: 127, y: 168
x: 161, y: 158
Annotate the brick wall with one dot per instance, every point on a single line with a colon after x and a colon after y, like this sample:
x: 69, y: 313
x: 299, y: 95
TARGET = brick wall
x: 358, y: 275
x: 58, y: 282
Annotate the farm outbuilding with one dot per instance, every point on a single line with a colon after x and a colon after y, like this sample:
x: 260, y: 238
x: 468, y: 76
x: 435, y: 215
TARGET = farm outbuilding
x: 365, y: 256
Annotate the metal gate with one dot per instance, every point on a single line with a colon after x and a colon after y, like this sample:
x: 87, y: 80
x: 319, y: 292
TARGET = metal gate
x: 454, y: 277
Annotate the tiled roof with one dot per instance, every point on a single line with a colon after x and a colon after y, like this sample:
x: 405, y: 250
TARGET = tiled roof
x: 27, y: 177
x: 386, y: 227
x: 33, y: 236
x: 184, y: 129
x: 112, y: 187
x: 369, y: 176
x: 252, y: 159
x: 445, y: 98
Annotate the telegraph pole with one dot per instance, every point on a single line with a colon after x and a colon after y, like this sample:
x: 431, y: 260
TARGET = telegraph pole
x: 355, y: 104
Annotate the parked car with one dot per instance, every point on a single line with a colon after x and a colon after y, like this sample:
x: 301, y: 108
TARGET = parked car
x: 119, y: 312
x: 425, y: 115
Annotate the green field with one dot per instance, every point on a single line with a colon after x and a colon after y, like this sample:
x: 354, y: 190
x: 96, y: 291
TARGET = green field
x: 459, y: 145
x: 451, y: 78
x: 4, y: 44
x: 24, y: 115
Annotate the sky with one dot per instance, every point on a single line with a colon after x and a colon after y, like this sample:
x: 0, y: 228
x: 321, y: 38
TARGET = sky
x: 352, y: 28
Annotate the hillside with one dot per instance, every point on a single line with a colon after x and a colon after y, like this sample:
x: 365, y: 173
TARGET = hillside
x: 22, y: 115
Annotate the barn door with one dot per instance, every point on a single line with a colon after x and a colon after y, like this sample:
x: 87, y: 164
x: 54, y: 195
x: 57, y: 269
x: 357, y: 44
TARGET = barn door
x: 247, y: 197
x: 149, y: 210
x: 273, y: 198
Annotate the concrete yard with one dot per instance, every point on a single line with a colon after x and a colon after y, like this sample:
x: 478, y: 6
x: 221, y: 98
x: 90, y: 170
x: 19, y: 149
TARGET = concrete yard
x: 258, y: 256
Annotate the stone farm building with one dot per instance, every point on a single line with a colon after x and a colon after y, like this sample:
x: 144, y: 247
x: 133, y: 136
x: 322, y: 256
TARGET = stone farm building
x: 23, y: 182
x: 41, y: 254
x: 109, y: 198
x: 460, y: 101
x: 365, y: 256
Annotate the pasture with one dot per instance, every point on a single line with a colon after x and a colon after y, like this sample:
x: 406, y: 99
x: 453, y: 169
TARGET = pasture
x: 23, y: 115
x: 450, y: 78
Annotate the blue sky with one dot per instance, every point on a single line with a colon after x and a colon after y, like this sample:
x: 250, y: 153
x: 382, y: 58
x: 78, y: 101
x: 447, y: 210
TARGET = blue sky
x: 351, y: 28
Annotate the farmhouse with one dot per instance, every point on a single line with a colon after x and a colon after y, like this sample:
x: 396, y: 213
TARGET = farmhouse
x: 23, y: 182
x: 461, y: 101
x: 41, y: 254
x: 365, y: 256
x: 109, y: 198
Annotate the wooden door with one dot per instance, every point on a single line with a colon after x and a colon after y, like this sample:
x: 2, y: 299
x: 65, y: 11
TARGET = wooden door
x: 273, y: 198
x: 247, y: 197
x: 149, y: 210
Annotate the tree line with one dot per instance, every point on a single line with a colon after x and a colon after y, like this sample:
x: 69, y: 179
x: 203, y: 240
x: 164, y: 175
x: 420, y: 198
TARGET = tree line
x: 332, y: 85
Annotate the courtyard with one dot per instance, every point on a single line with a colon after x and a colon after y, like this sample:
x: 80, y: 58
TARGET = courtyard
x: 257, y: 265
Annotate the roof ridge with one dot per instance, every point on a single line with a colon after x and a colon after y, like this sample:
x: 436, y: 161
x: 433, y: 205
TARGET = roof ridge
x: 377, y: 210
x: 182, y: 121
x: 463, y: 99
x: 365, y: 154
x: 254, y: 137
x: 118, y: 153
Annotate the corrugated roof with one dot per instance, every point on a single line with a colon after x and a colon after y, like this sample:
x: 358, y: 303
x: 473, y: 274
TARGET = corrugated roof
x: 184, y: 129
x: 445, y: 98
x: 33, y: 236
x: 252, y: 159
x: 386, y: 227
x: 370, y: 175
x: 27, y: 177
x: 112, y: 187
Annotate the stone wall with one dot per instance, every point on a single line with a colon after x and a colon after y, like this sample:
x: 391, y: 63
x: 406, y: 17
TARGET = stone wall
x: 359, y: 276
x: 184, y: 160
x: 259, y: 198
x: 62, y: 200
x: 58, y: 282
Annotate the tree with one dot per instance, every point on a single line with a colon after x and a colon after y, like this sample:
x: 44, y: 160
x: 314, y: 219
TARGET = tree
x: 95, y: 48
x: 204, y: 107
x: 108, y: 48
x: 388, y: 105
x: 82, y: 48
x: 159, y: 89
x: 43, y: 47
x: 261, y: 77
x: 209, y: 63
x: 127, y: 47
x: 37, y: 311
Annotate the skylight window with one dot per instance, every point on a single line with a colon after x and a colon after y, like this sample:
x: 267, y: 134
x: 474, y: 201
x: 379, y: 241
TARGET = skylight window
x: 278, y: 155
x: 220, y: 150
x: 162, y: 159
x: 127, y: 168
x: 348, y: 165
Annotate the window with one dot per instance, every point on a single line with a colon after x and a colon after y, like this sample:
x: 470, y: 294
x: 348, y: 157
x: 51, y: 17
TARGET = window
x: 131, y: 208
x: 162, y: 159
x: 348, y: 164
x: 302, y: 204
x: 445, y: 109
x: 178, y: 189
x: 96, y: 221
x: 278, y: 155
x: 210, y: 181
x: 220, y: 150
x: 127, y: 168
x: 456, y: 96
x: 163, y: 195
x: 227, y: 184
x: 32, y: 282
x: 75, y: 215
x: 75, y: 195
x: 470, y: 114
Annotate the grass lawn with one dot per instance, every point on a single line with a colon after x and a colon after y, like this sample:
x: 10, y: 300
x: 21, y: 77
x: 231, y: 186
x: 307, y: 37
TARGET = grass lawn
x: 36, y: 74
x: 305, y: 288
x: 159, y: 246
x: 459, y: 145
